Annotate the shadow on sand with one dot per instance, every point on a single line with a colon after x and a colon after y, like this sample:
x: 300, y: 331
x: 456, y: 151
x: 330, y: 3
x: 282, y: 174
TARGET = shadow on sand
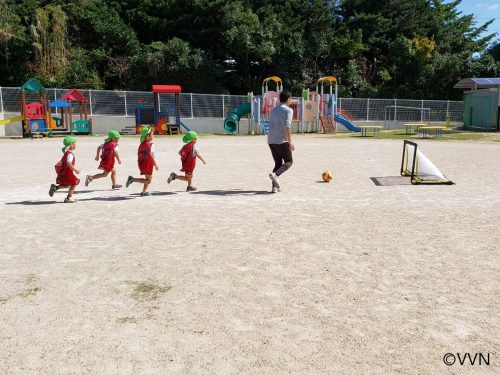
x: 232, y: 192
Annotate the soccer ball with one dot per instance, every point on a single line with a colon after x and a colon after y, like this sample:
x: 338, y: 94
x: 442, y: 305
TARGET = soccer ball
x: 327, y: 176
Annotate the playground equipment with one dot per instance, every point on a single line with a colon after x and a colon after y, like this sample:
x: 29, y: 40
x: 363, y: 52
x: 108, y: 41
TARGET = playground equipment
x: 34, y: 114
x: 259, y: 109
x: 312, y: 112
x: 163, y: 119
x: 423, y: 171
x: 84, y: 124
x: 60, y: 125
x: 328, y: 114
x: 37, y: 119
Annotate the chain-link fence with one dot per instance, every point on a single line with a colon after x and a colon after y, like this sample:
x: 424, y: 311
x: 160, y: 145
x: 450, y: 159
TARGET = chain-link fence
x: 123, y: 103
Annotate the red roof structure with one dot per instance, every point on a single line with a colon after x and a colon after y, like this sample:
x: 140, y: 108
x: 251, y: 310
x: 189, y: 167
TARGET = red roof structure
x: 166, y: 89
x: 74, y: 95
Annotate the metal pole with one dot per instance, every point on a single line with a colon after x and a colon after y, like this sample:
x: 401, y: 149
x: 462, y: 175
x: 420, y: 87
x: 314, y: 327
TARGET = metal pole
x: 1, y: 100
x: 223, y: 109
x: 422, y: 113
x: 90, y: 103
x: 126, y: 113
x: 368, y: 110
x: 395, y: 111
x: 55, y: 98
x: 447, y: 109
x: 191, y: 105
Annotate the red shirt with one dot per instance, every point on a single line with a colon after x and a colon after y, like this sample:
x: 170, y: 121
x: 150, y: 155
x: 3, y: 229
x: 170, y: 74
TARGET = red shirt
x: 108, y: 156
x: 187, y: 158
x: 145, y: 158
x: 65, y: 176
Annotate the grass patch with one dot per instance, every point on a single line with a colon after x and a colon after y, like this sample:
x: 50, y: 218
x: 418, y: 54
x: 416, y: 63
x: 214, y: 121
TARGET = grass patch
x: 448, y: 135
x: 29, y: 292
x: 127, y: 319
x: 149, y: 291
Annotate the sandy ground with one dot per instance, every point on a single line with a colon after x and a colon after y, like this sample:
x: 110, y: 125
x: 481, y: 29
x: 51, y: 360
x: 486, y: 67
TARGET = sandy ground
x: 339, y: 278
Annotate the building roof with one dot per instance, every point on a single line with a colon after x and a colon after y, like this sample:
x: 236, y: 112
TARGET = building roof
x: 477, y: 83
x: 166, y: 89
x: 32, y: 85
x: 74, y: 95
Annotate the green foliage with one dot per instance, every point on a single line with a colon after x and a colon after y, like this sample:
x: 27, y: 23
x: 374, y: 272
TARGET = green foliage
x: 404, y: 48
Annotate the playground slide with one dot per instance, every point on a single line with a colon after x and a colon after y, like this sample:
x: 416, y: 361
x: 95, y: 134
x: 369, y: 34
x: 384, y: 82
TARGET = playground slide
x: 349, y: 125
x: 234, y: 115
x: 184, y: 126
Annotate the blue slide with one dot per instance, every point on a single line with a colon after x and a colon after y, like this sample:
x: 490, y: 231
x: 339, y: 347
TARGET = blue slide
x: 184, y: 126
x: 349, y: 125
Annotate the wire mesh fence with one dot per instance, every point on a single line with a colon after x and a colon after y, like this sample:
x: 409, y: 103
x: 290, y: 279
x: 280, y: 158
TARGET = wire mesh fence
x: 123, y: 103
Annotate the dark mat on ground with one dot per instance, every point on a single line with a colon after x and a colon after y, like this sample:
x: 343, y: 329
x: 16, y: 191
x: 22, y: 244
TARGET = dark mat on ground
x: 391, y: 180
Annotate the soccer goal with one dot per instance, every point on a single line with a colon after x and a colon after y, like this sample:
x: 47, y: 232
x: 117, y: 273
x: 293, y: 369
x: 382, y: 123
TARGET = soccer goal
x: 395, y: 114
x: 419, y: 168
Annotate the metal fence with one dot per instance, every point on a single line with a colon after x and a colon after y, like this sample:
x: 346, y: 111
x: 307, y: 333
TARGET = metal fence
x: 123, y: 103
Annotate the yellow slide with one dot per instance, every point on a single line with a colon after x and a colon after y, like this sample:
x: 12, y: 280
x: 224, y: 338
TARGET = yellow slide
x: 10, y: 120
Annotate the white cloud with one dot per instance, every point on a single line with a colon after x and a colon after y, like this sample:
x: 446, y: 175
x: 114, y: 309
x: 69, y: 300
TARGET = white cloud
x: 489, y: 6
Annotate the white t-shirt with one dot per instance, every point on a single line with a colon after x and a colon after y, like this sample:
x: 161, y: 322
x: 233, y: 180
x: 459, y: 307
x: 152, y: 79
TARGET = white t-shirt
x: 196, y: 150
x: 69, y: 161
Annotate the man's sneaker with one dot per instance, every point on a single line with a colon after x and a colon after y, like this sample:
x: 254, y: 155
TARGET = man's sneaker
x: 87, y: 180
x: 115, y: 187
x: 274, y: 179
x: 191, y: 188
x: 52, y: 190
x: 130, y: 179
x: 145, y: 194
x: 69, y: 200
x: 274, y: 189
x: 171, y: 177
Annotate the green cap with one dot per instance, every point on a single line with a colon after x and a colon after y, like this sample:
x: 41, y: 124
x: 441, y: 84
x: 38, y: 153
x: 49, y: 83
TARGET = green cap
x: 67, y: 142
x: 112, y: 134
x: 189, y: 136
x: 144, y: 132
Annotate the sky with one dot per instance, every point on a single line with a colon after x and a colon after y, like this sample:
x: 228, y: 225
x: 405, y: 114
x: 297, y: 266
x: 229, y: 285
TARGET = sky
x: 483, y: 11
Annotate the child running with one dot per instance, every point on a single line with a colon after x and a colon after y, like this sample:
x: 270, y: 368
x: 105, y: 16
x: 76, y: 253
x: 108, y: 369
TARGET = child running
x: 189, y: 152
x: 109, y: 154
x: 146, y: 161
x: 66, y: 171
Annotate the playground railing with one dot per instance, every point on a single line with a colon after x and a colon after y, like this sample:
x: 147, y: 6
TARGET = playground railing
x: 123, y: 103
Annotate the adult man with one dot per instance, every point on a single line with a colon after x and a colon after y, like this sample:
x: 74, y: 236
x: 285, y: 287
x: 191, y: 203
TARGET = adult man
x: 279, y: 138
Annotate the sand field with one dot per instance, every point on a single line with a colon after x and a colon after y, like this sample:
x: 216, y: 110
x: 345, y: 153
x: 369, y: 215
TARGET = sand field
x: 322, y: 278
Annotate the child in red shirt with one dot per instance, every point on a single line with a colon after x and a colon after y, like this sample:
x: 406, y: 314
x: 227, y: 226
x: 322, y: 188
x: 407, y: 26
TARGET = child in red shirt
x: 189, y: 152
x: 109, y: 154
x: 146, y: 161
x: 66, y: 171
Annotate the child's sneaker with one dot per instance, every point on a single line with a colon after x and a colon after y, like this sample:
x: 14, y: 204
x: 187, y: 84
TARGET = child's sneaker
x: 116, y: 187
x: 191, y: 188
x: 69, y: 200
x: 87, y: 180
x: 274, y: 179
x: 130, y: 179
x: 171, y: 177
x: 52, y: 190
x: 145, y: 194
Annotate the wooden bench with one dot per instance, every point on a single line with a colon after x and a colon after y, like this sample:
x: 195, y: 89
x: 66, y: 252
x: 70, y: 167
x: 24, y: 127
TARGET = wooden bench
x: 375, y: 129
x: 409, y: 126
x: 426, y: 131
